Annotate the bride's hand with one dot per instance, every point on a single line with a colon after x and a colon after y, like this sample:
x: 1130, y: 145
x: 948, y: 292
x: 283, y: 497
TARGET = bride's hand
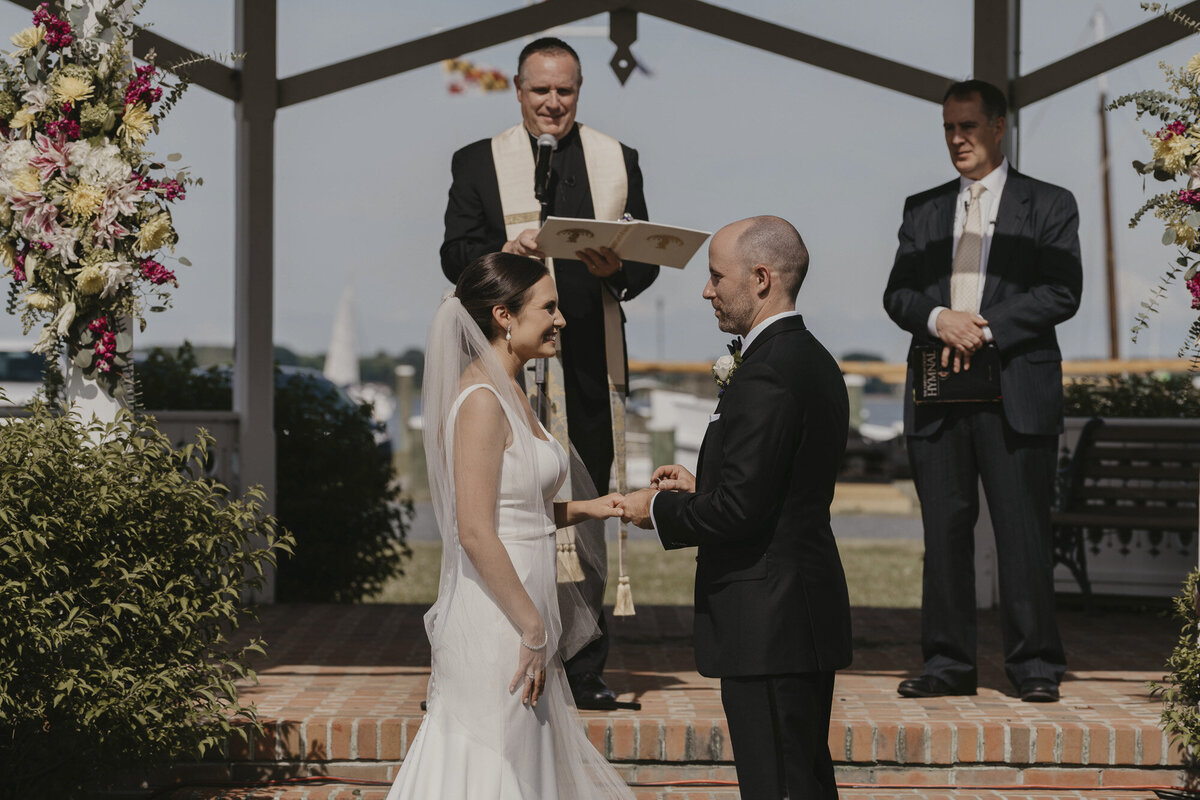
x: 604, y: 507
x: 531, y: 669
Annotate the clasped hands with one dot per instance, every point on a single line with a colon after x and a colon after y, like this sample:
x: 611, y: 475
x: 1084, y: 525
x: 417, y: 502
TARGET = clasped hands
x: 602, y: 263
x: 963, y: 334
x: 635, y: 506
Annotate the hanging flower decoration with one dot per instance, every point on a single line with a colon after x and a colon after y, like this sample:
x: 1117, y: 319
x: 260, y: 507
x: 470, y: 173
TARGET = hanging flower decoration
x: 464, y: 75
x: 85, y: 209
x: 1174, y: 155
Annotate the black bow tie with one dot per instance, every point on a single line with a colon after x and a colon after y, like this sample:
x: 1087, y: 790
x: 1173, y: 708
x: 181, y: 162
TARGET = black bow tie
x: 735, y: 346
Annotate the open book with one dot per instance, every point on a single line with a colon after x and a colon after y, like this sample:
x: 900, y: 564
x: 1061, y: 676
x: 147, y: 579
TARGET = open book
x: 649, y: 242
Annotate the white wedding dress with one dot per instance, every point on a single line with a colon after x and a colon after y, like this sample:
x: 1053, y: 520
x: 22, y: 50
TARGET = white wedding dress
x: 478, y: 741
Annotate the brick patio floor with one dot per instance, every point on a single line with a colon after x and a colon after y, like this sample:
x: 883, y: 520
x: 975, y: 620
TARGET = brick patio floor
x: 342, y: 686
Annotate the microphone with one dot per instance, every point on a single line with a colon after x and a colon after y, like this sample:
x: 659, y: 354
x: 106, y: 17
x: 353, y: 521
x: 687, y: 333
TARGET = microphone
x: 546, y: 145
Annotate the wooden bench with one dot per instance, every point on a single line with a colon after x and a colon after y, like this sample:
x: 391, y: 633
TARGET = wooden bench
x: 1126, y: 476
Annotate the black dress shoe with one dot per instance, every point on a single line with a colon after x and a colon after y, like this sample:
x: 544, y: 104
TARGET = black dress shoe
x: 592, y: 693
x: 928, y: 686
x: 1039, y: 690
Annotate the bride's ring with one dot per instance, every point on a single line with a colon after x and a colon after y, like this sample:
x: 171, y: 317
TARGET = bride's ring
x: 529, y: 676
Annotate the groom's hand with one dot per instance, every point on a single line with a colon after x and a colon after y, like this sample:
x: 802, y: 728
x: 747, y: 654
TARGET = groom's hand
x: 673, y: 478
x: 636, y: 508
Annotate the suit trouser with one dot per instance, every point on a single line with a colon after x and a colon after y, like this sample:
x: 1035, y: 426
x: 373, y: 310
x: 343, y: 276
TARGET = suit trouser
x: 975, y: 444
x: 779, y: 731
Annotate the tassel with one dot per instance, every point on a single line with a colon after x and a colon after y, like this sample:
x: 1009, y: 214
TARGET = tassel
x: 569, y: 568
x: 624, y: 606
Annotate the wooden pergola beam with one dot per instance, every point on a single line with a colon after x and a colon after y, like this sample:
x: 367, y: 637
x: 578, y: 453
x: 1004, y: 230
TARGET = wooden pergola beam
x: 798, y: 46
x: 1101, y: 57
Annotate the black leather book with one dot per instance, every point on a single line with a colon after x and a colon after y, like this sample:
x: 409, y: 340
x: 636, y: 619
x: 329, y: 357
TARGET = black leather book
x: 933, y: 383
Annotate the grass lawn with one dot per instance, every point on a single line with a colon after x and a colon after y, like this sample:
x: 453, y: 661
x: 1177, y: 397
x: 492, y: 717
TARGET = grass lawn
x: 881, y: 573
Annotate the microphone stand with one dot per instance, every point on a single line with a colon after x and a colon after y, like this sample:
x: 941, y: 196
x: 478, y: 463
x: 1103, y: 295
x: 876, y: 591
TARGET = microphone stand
x: 539, y: 368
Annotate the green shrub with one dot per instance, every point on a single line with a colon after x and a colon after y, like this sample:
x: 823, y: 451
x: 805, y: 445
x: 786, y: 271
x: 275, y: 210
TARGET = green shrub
x: 121, y: 575
x: 335, y: 490
x: 1180, y: 688
x: 1151, y: 395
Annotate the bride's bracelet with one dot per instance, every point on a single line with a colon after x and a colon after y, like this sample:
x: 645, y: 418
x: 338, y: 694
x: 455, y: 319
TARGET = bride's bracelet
x: 542, y: 646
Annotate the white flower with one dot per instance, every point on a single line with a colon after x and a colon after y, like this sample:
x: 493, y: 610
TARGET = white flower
x: 100, y: 166
x: 17, y: 157
x: 36, y: 97
x: 116, y: 274
x: 724, y: 366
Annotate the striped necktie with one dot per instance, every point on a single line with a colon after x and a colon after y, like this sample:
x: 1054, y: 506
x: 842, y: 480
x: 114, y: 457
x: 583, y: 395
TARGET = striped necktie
x: 964, y: 277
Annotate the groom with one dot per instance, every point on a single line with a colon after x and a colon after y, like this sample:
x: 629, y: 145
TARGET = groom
x: 772, y: 613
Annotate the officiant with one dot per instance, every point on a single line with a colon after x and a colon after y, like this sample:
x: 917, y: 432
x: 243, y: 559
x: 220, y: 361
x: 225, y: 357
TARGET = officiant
x: 492, y: 207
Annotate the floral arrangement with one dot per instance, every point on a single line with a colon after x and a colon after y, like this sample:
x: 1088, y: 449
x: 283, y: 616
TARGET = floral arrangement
x: 84, y: 207
x: 1175, y: 154
x: 464, y: 75
x: 725, y: 366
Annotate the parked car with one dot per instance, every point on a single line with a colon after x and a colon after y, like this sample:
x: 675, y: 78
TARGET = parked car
x: 20, y: 372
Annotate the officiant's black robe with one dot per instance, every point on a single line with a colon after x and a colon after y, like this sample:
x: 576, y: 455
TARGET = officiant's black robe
x: 475, y: 225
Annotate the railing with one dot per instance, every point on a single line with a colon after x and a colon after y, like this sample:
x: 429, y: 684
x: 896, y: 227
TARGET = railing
x: 894, y: 373
x: 181, y: 428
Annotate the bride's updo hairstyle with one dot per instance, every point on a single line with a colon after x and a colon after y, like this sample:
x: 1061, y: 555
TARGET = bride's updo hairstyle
x: 497, y: 279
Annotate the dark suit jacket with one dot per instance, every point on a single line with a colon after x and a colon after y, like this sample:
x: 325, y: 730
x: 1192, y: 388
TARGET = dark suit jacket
x: 1034, y: 281
x: 770, y: 592
x: 475, y: 225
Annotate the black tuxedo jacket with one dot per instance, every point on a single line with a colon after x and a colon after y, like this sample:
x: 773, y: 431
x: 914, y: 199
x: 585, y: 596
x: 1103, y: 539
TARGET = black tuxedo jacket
x: 475, y: 225
x: 770, y: 592
x: 1034, y: 281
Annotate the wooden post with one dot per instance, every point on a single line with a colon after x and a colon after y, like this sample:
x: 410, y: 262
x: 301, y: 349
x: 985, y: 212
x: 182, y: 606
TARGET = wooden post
x: 254, y: 301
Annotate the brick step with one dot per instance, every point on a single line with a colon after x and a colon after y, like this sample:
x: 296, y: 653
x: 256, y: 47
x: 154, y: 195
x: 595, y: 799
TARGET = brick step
x: 630, y: 737
x: 353, y: 792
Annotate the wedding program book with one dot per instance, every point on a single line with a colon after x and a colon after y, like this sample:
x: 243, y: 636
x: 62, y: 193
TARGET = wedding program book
x: 933, y: 383
x: 648, y: 242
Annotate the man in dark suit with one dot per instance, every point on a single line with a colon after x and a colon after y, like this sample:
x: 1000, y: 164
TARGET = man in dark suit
x: 547, y: 84
x: 990, y: 259
x: 772, y: 611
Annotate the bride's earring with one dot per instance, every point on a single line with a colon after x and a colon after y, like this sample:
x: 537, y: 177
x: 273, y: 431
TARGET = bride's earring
x: 508, y: 334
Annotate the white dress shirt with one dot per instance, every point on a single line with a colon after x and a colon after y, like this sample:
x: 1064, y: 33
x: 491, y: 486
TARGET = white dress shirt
x: 746, y: 340
x: 989, y: 201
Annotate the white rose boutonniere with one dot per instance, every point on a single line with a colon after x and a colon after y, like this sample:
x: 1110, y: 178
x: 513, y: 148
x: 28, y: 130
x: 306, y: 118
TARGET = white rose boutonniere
x: 725, y: 366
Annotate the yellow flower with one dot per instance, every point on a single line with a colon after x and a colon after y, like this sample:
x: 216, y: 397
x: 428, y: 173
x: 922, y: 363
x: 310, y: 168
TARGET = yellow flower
x: 155, y: 233
x: 40, y: 300
x: 1185, y: 235
x: 28, y: 39
x: 8, y: 254
x: 22, y: 119
x: 136, y: 124
x: 90, y: 280
x: 84, y: 199
x: 1193, y: 65
x: 1174, y: 151
x: 26, y: 180
x: 70, y: 89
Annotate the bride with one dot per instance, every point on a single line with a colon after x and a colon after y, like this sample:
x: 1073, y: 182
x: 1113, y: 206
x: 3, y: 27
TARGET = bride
x: 501, y: 722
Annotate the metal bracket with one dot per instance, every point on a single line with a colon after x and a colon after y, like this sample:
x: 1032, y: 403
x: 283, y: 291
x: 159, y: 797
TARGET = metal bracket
x: 622, y: 31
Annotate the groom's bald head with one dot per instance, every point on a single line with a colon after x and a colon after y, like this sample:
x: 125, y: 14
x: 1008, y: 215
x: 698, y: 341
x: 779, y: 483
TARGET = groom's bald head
x: 776, y: 244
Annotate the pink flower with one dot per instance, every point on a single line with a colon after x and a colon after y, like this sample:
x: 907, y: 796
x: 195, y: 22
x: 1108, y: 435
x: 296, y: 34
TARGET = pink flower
x: 58, y: 31
x: 1176, y: 128
x: 52, y: 156
x: 156, y: 273
x: 1194, y: 287
x: 1190, y: 196
x: 139, y: 88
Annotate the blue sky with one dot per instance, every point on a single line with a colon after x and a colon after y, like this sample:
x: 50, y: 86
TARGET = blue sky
x: 724, y: 132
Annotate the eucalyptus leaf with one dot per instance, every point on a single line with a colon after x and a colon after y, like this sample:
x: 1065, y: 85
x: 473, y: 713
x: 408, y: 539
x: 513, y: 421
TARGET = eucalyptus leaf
x: 157, y: 309
x: 185, y: 262
x: 124, y: 341
x: 1191, y: 272
x: 174, y: 156
x: 1168, y: 237
x: 83, y: 358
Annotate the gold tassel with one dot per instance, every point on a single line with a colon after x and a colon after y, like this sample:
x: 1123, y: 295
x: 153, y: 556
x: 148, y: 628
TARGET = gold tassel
x: 569, y: 568
x: 624, y: 606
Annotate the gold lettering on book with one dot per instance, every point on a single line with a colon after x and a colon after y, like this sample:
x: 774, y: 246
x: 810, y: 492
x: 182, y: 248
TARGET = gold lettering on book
x: 929, y: 374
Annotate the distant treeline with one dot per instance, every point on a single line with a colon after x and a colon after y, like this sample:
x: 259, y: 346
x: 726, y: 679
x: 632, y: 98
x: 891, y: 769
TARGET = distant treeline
x: 378, y: 368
